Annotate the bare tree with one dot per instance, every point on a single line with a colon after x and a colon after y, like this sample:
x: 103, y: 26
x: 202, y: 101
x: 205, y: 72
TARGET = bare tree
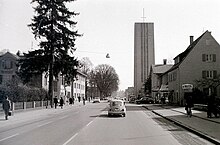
x: 105, y: 78
x: 85, y: 65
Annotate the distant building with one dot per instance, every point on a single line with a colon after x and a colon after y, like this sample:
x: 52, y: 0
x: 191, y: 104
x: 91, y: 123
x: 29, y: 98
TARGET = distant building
x: 8, y: 67
x: 129, y: 93
x: 143, y: 53
x: 158, y: 89
x: 200, y: 60
x: 8, y: 70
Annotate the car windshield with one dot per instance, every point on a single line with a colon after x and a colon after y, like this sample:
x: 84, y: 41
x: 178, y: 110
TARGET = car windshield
x: 116, y: 103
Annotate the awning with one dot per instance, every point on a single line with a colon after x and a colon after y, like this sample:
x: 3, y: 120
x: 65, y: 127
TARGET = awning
x: 164, y: 88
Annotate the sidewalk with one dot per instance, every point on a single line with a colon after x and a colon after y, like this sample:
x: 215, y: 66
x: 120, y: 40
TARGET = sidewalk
x: 208, y: 128
x: 20, y: 116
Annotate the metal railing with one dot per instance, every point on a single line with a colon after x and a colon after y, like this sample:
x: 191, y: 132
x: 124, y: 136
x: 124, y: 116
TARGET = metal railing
x: 27, y: 105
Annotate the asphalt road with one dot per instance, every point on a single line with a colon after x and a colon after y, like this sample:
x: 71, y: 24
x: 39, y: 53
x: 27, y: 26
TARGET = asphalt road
x: 90, y: 125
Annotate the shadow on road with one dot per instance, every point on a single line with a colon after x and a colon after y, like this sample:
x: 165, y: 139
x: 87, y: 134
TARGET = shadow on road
x: 106, y: 116
x: 135, y: 108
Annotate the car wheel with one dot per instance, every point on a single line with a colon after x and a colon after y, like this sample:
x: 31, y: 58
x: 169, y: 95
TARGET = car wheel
x: 124, y: 115
x: 109, y: 115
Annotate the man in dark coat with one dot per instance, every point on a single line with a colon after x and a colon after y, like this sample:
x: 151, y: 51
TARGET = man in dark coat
x: 189, y: 105
x: 55, y: 102
x: 6, y: 107
x: 61, y: 102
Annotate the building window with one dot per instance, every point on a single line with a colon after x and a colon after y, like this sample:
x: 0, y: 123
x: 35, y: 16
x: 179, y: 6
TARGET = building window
x: 209, y: 57
x: 7, y: 64
x: 210, y: 74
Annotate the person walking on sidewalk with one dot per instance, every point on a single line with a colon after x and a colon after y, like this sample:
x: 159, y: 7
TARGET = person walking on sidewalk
x: 84, y: 101
x: 6, y: 107
x: 211, y: 107
x: 189, y: 105
x: 55, y: 102
x: 61, y: 102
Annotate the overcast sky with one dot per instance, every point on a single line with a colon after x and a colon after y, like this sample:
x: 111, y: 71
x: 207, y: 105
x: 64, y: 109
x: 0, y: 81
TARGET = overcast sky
x: 108, y: 27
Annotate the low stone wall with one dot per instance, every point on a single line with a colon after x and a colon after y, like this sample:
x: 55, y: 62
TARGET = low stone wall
x: 202, y: 107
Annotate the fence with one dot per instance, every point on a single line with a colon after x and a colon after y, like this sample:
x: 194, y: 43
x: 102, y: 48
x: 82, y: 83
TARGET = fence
x: 27, y: 105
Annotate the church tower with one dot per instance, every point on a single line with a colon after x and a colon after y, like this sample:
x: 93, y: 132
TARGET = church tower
x: 143, y: 53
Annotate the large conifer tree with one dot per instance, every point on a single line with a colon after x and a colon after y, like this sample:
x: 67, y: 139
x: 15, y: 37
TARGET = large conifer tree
x: 53, y: 27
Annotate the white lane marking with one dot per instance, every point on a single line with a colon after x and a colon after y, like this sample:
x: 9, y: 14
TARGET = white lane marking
x: 9, y: 137
x: 89, y: 123
x: 70, y: 139
x: 63, y: 117
x: 44, y: 124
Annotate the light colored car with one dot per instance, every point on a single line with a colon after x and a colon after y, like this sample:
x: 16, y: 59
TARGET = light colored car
x: 96, y: 100
x: 117, y: 107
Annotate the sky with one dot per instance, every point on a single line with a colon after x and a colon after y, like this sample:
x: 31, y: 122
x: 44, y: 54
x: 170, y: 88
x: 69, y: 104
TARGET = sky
x: 108, y: 27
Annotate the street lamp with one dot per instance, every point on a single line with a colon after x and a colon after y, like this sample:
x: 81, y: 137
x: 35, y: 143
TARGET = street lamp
x: 107, y: 55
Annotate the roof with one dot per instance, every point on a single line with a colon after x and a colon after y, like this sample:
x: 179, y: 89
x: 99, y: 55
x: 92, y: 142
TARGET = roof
x: 81, y: 73
x: 161, y: 68
x: 8, y: 53
x: 184, y: 54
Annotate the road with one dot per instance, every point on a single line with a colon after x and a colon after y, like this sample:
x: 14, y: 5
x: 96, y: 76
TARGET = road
x: 90, y: 125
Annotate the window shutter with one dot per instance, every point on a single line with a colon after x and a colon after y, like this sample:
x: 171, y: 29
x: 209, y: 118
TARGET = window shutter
x: 203, y: 57
x: 203, y: 74
x: 214, y: 57
x: 214, y: 74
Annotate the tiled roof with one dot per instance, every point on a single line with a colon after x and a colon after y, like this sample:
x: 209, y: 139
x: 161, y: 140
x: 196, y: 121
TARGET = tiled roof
x: 158, y: 69
x: 184, y: 54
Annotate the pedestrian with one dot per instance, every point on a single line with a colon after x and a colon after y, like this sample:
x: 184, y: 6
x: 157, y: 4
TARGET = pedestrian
x: 84, y: 101
x: 6, y: 107
x: 70, y: 100
x: 61, y: 102
x: 211, y: 107
x: 73, y: 99
x: 55, y: 102
x: 189, y: 105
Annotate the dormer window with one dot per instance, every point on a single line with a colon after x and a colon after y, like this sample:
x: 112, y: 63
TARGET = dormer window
x: 176, y: 60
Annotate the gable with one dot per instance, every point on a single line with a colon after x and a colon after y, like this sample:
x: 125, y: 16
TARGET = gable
x: 9, y: 55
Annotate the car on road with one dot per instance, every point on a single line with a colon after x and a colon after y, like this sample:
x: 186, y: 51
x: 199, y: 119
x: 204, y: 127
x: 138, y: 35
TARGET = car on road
x: 145, y: 100
x: 132, y: 100
x: 96, y: 100
x: 117, y: 107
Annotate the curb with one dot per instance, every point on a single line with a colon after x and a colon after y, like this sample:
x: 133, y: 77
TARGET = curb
x: 198, y: 117
x: 193, y: 130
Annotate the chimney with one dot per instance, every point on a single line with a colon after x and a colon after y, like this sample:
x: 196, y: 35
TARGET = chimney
x: 164, y: 61
x: 191, y: 39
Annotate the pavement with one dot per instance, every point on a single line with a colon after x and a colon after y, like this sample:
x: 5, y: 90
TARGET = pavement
x: 208, y: 128
x: 23, y: 115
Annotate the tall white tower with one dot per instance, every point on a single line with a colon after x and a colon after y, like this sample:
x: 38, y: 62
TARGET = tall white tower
x: 143, y: 53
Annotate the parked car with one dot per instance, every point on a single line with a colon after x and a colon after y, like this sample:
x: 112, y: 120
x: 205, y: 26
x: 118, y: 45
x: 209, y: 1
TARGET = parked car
x: 132, y: 100
x: 117, y: 107
x: 96, y: 100
x: 145, y: 100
